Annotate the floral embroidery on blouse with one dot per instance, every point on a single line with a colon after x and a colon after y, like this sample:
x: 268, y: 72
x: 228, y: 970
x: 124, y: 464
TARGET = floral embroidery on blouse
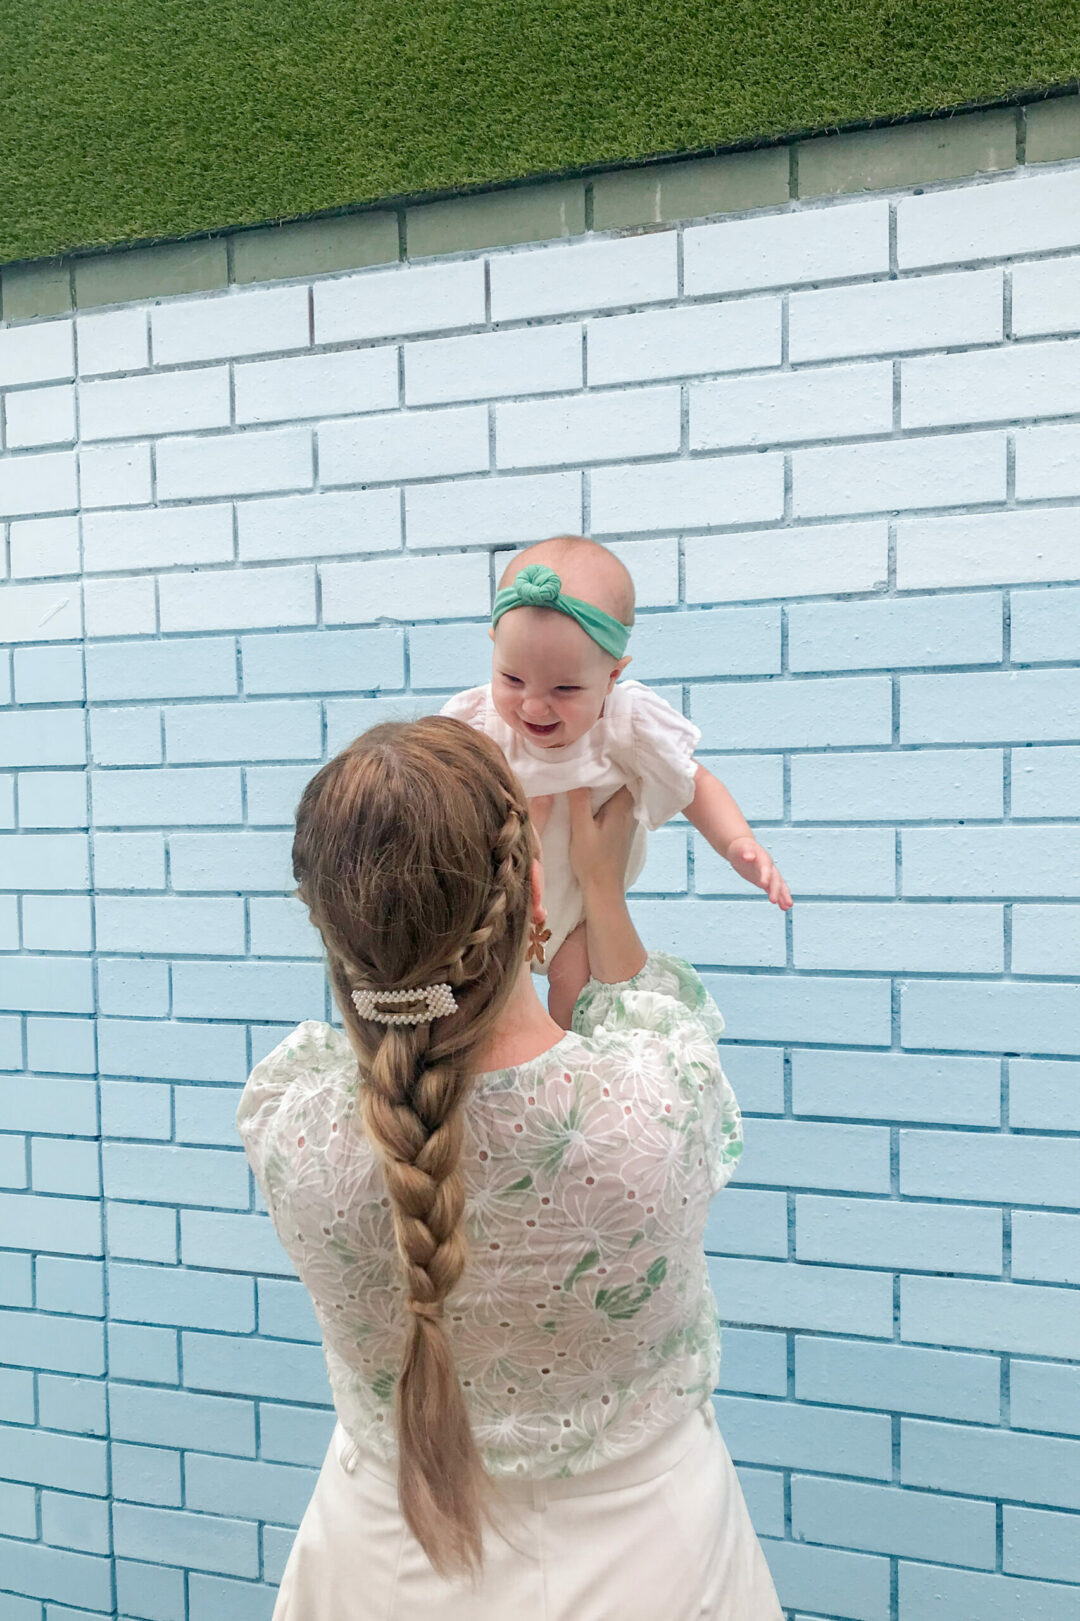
x: 584, y: 1322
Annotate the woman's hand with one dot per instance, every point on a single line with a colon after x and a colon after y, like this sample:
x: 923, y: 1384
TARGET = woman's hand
x: 600, y: 844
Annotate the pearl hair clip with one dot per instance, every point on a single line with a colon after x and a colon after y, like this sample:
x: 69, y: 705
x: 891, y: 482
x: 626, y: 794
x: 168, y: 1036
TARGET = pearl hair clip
x: 428, y: 1002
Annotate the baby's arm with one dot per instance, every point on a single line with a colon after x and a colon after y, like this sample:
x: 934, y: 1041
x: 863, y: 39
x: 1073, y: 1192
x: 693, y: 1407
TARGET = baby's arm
x: 568, y: 976
x: 717, y: 817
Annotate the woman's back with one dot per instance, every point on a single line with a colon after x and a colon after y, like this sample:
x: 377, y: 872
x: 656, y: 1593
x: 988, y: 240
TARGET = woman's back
x: 584, y: 1323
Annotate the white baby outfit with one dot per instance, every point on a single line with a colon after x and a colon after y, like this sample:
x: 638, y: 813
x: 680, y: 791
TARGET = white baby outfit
x: 639, y: 741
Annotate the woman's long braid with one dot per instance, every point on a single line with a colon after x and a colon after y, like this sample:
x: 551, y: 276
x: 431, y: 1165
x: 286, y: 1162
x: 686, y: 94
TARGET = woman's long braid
x: 415, y: 1082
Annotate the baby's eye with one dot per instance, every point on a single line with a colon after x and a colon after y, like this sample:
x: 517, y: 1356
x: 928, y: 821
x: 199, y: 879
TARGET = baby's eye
x: 515, y: 681
x: 567, y: 689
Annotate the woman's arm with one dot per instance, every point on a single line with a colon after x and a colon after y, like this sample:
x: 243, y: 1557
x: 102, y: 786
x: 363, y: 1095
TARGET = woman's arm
x: 599, y: 851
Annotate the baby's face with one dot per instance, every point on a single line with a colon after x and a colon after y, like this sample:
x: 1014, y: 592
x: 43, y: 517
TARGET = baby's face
x: 549, y: 680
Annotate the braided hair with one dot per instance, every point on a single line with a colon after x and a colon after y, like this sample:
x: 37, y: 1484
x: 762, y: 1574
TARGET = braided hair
x: 412, y: 854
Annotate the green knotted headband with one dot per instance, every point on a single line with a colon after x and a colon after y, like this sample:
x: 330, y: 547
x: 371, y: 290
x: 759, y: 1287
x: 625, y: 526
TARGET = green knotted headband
x: 536, y: 586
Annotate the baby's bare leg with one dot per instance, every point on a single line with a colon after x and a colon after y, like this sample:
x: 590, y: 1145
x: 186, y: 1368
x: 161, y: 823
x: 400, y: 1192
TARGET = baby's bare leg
x: 567, y: 976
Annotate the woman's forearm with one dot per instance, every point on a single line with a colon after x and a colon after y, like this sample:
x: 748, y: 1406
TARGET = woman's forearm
x: 615, y: 950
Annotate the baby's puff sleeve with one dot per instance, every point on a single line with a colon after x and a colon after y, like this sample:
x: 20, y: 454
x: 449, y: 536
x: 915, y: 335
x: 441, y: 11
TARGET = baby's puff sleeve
x: 663, y: 757
x: 669, y: 1014
x: 469, y: 706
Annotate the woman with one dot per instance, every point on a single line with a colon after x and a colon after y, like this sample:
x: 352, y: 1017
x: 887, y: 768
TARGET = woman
x: 499, y: 1222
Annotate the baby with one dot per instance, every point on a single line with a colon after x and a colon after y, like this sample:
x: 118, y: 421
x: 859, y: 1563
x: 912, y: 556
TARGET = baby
x: 564, y: 720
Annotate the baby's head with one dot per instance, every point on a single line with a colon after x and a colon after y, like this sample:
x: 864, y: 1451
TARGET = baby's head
x: 549, y: 677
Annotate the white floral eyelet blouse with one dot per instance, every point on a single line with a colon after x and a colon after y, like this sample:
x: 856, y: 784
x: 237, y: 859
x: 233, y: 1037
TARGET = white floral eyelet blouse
x: 584, y: 1323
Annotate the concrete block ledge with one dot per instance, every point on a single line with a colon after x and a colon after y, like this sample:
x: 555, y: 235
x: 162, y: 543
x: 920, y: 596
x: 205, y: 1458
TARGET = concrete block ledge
x: 913, y: 154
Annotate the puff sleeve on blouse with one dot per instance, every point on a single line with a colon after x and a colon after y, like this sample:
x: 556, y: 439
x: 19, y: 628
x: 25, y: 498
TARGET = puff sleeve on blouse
x: 666, y: 1007
x: 663, y: 757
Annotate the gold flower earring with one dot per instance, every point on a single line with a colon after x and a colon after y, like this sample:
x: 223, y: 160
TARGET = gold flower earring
x: 538, y: 938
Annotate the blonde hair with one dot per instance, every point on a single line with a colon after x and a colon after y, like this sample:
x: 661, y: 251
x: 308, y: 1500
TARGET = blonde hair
x: 412, y: 854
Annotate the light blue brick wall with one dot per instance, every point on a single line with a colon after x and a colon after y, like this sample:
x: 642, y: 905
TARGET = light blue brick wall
x: 875, y: 621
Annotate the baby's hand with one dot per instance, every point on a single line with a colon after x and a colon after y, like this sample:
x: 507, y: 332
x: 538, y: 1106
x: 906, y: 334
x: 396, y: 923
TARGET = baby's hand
x: 755, y: 864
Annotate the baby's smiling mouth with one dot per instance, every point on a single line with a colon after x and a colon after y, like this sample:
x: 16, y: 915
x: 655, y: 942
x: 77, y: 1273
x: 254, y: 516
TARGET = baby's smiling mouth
x: 540, y: 731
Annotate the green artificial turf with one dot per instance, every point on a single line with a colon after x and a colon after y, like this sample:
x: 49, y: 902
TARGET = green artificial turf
x: 128, y: 120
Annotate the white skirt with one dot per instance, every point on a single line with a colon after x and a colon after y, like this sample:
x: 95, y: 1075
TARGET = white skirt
x: 664, y: 1534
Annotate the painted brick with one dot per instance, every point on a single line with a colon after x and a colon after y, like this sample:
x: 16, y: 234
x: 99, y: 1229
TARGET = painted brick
x: 115, y: 476
x: 64, y: 1165
x: 850, y: 710
x: 895, y: 633
x: 120, y: 607
x: 139, y: 1232
x: 448, y: 656
x: 268, y: 1491
x: 989, y: 1463
x: 992, y: 1316
x: 265, y: 460
x: 164, y: 402
x: 236, y: 1243
x: 1046, y: 465
x: 273, y: 792
x: 36, y: 613
x: 481, y: 512
x: 584, y: 275
x: 796, y: 1153
x: 40, y: 1106
x: 47, y: 984
x: 170, y: 925
x: 1003, y: 1167
x: 1027, y: 213
x: 128, y: 986
x: 777, y: 250
x: 71, y: 1521
x: 890, y: 317
x: 236, y: 323
x: 70, y: 1286
x: 911, y: 939
x: 1046, y: 1247
x: 40, y: 416
x: 829, y: 1580
x: 757, y: 1073
x: 129, y: 861
x: 209, y: 1177
x: 48, y: 675
x: 44, y: 861
x: 246, y: 1367
x: 991, y: 861
x: 55, y: 1573
x: 388, y: 447
x: 754, y: 1362
x: 898, y: 1378
x: 996, y: 707
x: 280, y: 927
x: 41, y: 546
x: 748, y: 1222
x: 797, y: 1435
x: 135, y: 1109
x: 140, y: 798
x: 684, y: 342
x: 891, y: 474
x: 195, y: 1541
x: 707, y: 642
x: 804, y: 1007
x: 1041, y: 1544
x: 271, y: 730
x: 1045, y: 626
x: 386, y: 303
x: 825, y: 402
x: 294, y: 1434
x: 891, y: 1233
x: 1044, y: 1095
x: 319, y: 525
x: 181, y: 1052
x: 897, y: 786
x: 1046, y: 940
x: 56, y: 923
x: 212, y: 1596
x: 821, y: 560
x: 38, y: 353
x: 781, y: 1294
x: 64, y: 1225
x: 285, y: 1311
x: 326, y: 661
x: 887, y: 1519
x: 63, y: 1345
x: 534, y: 360
x: 163, y: 1294
x: 604, y: 426
x: 757, y: 781
x: 317, y: 385
x: 991, y: 385
x: 206, y: 1114
x: 248, y: 990
x: 13, y: 1162
x: 142, y: 1353
x: 157, y: 539
x: 117, y: 341
x: 1045, y: 1396
x: 700, y: 493
x: 713, y: 932
x: 1046, y: 297
x: 897, y: 1086
x: 231, y: 862
x: 986, y: 548
x: 235, y: 599
x: 405, y: 588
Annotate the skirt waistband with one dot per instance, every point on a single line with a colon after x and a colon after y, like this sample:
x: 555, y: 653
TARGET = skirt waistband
x: 656, y: 1457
